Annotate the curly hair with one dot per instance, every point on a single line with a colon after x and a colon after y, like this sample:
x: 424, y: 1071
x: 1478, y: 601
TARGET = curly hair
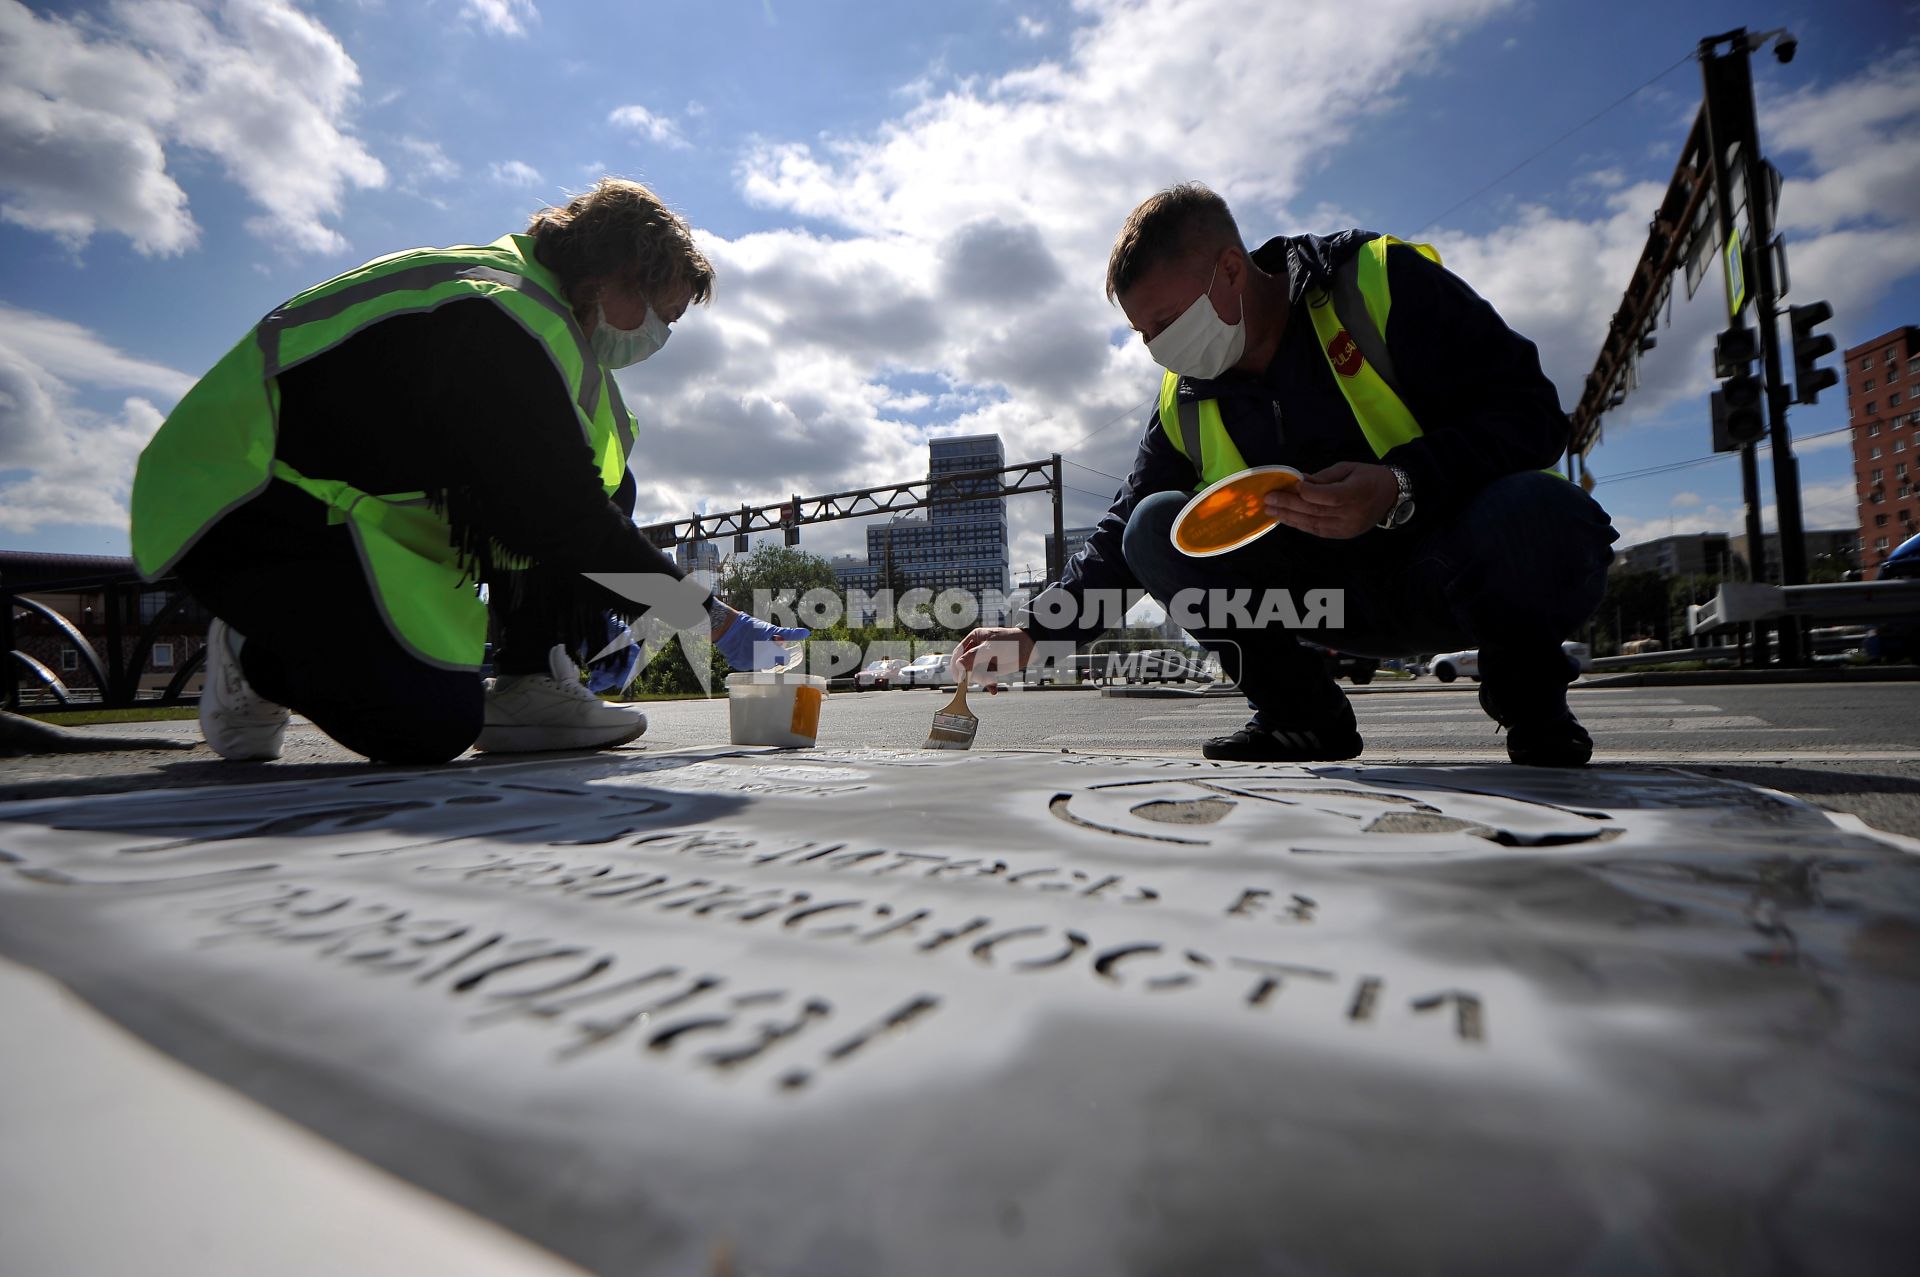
x: 619, y: 229
x: 1180, y: 221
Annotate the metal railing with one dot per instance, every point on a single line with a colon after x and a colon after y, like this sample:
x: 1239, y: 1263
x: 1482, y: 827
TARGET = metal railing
x: 1743, y: 601
x: 118, y: 677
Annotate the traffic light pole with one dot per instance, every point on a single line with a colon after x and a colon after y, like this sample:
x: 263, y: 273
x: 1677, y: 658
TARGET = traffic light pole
x: 1731, y: 122
x: 1756, y: 542
x: 1057, y: 555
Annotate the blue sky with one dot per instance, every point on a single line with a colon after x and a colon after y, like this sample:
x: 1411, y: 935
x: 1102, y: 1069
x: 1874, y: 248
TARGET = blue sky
x: 909, y: 206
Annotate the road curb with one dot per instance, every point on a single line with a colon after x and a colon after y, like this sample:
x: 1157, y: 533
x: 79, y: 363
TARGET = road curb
x: 1717, y: 678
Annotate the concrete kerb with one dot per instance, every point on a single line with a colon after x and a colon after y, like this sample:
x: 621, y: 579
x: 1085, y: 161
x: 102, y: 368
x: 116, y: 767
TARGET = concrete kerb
x: 1647, y: 678
x: 1718, y: 678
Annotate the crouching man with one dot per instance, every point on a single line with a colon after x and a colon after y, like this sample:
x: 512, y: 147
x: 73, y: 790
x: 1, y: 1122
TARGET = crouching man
x: 1424, y: 428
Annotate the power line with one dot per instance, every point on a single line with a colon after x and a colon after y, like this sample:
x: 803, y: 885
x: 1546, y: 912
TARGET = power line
x: 1113, y: 421
x: 1620, y: 101
x: 1102, y: 473
x: 1671, y: 466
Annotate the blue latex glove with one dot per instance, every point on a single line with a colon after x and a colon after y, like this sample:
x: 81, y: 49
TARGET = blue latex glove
x: 749, y: 640
x: 620, y: 658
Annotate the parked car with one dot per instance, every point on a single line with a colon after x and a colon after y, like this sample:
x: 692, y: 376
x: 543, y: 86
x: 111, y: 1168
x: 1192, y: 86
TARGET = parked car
x: 929, y: 670
x: 878, y: 675
x: 1451, y: 665
x: 1899, y: 639
x: 1090, y: 667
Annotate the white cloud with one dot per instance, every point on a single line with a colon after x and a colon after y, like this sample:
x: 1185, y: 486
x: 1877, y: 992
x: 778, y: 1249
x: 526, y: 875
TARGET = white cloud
x: 515, y: 173
x: 1685, y: 501
x: 1857, y: 138
x: 66, y: 463
x: 91, y: 114
x: 502, y: 17
x: 656, y: 128
x: 1852, y: 212
x: 1030, y: 27
x: 989, y: 190
x: 425, y: 161
x: 982, y: 190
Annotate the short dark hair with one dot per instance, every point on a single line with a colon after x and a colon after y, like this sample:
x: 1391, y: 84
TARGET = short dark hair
x: 1179, y: 221
x: 620, y: 229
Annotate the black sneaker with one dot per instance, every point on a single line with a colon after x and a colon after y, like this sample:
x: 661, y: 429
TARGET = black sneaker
x: 1255, y: 743
x: 1552, y: 738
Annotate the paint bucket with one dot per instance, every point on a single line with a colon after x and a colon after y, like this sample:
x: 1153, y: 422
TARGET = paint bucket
x: 774, y: 707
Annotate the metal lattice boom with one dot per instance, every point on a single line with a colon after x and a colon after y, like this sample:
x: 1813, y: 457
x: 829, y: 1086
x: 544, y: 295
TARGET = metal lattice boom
x: 1026, y: 476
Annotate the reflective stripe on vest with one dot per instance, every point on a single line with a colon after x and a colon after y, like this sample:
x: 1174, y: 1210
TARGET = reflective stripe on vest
x: 216, y: 450
x: 506, y: 273
x: 1360, y: 288
x: 1350, y: 320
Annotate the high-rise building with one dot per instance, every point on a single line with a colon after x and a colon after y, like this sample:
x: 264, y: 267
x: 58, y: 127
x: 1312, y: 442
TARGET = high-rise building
x: 699, y: 560
x: 1883, y: 405
x: 956, y: 545
x: 1075, y: 537
x: 697, y: 556
x: 970, y: 536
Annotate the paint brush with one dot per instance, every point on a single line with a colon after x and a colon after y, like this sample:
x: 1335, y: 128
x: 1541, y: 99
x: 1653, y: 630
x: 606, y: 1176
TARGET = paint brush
x: 953, y: 727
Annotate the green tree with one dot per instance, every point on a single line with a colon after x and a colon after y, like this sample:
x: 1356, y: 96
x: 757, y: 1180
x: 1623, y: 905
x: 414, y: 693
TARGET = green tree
x: 1637, y: 605
x: 669, y: 674
x: 775, y: 568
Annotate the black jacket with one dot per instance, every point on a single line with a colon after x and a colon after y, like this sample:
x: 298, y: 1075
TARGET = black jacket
x: 1473, y: 384
x: 462, y: 403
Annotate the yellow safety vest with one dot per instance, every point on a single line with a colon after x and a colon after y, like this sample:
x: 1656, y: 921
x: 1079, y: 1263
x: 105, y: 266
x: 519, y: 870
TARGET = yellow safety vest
x: 217, y: 448
x: 1349, y: 319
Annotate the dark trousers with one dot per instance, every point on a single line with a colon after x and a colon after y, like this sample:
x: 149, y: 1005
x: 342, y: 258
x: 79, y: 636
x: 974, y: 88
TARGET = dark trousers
x: 1514, y: 572
x: 316, y: 643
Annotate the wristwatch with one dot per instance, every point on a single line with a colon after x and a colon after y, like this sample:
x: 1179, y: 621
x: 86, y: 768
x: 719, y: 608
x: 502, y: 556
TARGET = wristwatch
x: 1402, y: 508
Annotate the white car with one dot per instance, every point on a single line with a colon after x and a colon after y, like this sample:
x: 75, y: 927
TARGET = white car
x: 931, y: 670
x: 1451, y: 665
x: 878, y: 674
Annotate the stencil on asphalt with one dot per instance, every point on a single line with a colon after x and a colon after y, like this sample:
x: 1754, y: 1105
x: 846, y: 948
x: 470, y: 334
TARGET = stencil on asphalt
x: 853, y: 1008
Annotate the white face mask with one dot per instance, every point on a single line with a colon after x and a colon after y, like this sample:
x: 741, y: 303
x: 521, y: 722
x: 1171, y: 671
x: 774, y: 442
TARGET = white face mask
x: 1200, y: 343
x: 625, y: 347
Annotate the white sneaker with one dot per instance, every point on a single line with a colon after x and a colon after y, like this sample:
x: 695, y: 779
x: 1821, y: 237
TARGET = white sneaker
x: 527, y: 713
x: 240, y: 724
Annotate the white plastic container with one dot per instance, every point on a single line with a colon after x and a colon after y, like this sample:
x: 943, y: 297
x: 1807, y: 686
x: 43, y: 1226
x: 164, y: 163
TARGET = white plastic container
x: 774, y: 708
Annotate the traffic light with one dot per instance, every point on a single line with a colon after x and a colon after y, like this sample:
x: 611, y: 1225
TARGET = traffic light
x: 1734, y: 351
x: 1740, y: 396
x: 1737, y: 416
x: 790, y: 517
x: 1808, y: 346
x: 793, y: 535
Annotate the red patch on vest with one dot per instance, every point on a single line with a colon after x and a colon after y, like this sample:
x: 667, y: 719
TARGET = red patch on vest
x: 1344, y: 354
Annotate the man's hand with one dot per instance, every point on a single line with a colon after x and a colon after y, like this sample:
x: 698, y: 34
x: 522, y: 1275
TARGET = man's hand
x: 1339, y: 502
x: 1003, y: 649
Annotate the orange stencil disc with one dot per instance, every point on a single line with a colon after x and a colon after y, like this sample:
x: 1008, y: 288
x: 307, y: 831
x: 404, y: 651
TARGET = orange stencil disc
x: 1228, y: 514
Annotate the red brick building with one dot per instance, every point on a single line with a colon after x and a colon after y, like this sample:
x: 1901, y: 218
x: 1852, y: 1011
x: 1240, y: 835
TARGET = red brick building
x: 1883, y: 405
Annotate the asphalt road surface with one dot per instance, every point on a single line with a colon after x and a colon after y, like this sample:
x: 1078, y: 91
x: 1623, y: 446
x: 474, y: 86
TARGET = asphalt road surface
x: 1399, y: 722
x: 1848, y: 746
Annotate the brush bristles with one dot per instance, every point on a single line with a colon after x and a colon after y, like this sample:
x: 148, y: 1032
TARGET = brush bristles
x: 952, y: 731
